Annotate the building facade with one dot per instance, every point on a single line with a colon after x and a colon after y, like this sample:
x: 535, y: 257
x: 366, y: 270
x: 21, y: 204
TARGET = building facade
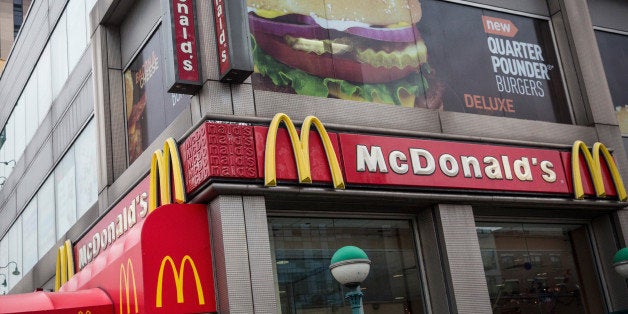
x: 450, y: 141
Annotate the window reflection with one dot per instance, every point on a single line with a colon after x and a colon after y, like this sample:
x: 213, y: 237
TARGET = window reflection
x: 303, y: 248
x: 537, y: 270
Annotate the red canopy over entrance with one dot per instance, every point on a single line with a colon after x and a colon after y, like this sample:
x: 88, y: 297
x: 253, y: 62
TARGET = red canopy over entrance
x: 94, y: 301
x: 162, y: 265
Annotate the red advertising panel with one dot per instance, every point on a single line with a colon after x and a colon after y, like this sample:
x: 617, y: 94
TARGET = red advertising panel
x: 218, y: 150
x: 378, y: 160
x: 239, y: 151
x: 184, y: 23
x: 163, y: 265
x: 221, y: 36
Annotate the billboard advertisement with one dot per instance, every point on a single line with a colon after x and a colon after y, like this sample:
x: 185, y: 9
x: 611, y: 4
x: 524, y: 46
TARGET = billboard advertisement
x: 428, y: 54
x: 149, y: 106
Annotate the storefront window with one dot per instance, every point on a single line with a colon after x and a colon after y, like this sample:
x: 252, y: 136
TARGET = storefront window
x: 432, y: 54
x: 303, y: 248
x: 538, y: 268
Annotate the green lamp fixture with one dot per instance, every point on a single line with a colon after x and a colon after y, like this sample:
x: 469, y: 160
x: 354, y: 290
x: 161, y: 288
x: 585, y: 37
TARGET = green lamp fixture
x: 620, y: 262
x: 350, y: 266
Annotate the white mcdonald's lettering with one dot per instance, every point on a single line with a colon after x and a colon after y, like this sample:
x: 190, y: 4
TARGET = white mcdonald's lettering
x: 65, y: 264
x: 160, y: 177
x: 301, y: 150
x: 594, y: 165
x: 424, y: 163
x: 185, y: 46
x: 178, y: 280
x: 125, y: 272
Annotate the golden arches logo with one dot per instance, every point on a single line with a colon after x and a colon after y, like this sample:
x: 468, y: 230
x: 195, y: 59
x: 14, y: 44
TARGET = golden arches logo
x: 178, y: 275
x: 162, y: 161
x: 300, y: 146
x: 125, y: 272
x: 593, y: 162
x: 65, y: 264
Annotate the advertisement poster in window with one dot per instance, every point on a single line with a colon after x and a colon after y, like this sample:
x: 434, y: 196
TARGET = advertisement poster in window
x: 149, y: 107
x: 614, y: 52
x: 427, y: 54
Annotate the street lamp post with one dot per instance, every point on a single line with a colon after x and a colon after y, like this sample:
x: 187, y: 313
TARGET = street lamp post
x: 15, y: 272
x: 350, y: 266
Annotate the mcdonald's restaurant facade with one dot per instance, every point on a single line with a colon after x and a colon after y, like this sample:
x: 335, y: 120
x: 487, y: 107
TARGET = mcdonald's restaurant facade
x: 474, y: 151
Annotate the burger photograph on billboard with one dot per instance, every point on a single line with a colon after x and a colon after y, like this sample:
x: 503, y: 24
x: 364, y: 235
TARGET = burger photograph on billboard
x: 334, y: 48
x: 421, y: 54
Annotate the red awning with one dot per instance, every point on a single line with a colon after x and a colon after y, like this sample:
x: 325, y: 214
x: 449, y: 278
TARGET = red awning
x: 94, y: 301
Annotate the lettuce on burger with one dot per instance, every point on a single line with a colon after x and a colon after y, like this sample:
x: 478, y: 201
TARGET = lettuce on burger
x: 367, y: 50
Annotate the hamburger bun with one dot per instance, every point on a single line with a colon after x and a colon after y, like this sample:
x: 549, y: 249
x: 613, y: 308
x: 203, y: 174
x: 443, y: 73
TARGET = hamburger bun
x: 372, y: 12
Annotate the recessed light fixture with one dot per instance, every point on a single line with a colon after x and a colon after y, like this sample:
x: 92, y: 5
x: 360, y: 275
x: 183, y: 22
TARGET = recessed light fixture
x: 283, y: 262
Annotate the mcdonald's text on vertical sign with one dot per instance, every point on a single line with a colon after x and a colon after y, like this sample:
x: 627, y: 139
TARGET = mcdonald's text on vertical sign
x: 184, y: 75
x: 235, y: 62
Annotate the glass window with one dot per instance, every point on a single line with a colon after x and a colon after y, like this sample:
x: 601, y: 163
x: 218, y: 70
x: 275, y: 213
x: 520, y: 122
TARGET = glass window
x: 65, y: 193
x: 144, y: 88
x: 538, y: 268
x: 19, y: 115
x: 614, y: 52
x: 435, y: 54
x: 89, y: 5
x: 3, y: 167
x: 46, y: 217
x: 15, y: 253
x: 4, y: 260
x: 77, y: 30
x: 86, y: 153
x: 303, y: 248
x: 44, y: 87
x: 29, y: 235
x: 9, y: 142
x: 59, y: 53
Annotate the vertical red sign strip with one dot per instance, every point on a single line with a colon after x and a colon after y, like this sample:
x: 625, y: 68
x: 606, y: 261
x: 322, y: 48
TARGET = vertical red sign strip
x: 221, y: 36
x: 185, y: 40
